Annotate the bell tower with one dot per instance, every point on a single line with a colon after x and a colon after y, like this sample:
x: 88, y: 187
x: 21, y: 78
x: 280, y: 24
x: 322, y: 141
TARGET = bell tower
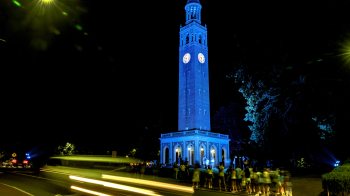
x: 194, y: 142
x: 193, y: 106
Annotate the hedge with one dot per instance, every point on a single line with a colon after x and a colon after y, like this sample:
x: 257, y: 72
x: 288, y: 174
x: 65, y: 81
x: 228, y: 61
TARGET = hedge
x: 337, y: 181
x: 343, y: 168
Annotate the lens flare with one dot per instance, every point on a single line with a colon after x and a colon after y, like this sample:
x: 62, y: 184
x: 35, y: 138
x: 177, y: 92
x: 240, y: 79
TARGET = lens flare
x: 17, y: 3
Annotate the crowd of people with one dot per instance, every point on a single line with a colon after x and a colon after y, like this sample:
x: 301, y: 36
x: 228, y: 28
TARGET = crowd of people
x: 234, y: 178
x: 245, y: 178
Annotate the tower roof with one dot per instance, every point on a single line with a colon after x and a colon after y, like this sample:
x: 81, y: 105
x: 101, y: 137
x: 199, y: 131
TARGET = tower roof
x: 193, y: 1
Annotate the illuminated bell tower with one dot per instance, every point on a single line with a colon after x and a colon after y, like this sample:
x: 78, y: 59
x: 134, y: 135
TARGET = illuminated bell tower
x: 193, y: 142
x: 194, y: 106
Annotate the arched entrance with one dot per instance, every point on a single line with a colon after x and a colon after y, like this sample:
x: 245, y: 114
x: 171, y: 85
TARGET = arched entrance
x: 223, y: 155
x: 190, y: 154
x: 166, y: 155
x: 202, y: 155
x: 178, y: 154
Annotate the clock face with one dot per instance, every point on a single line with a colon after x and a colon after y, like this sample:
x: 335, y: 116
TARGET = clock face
x: 201, y: 58
x: 186, y: 58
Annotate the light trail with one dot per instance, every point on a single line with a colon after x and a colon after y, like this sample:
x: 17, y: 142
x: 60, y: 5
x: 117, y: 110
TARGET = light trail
x: 150, y: 183
x: 88, y: 191
x: 116, y: 186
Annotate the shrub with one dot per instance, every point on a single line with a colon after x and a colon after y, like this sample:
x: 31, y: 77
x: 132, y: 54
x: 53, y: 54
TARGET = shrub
x: 343, y: 168
x: 337, y: 181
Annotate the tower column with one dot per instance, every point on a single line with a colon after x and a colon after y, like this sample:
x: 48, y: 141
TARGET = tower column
x: 171, y: 153
x: 220, y: 153
x: 161, y: 160
x: 207, y: 151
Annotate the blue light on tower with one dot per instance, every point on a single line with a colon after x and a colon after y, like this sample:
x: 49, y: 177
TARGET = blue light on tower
x: 194, y: 140
x: 194, y: 106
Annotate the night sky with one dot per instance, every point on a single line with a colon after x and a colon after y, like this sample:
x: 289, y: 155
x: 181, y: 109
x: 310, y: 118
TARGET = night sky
x: 108, y: 69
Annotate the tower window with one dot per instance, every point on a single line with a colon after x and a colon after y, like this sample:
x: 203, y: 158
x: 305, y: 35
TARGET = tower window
x: 187, y: 39
x: 200, y: 39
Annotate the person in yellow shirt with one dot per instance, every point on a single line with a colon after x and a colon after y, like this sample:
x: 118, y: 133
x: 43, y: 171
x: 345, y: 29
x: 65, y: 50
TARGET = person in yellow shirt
x: 196, y: 176
x: 222, y: 176
x: 210, y: 176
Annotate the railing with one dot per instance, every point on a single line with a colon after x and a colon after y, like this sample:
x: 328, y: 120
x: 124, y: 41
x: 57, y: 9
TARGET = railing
x: 194, y: 132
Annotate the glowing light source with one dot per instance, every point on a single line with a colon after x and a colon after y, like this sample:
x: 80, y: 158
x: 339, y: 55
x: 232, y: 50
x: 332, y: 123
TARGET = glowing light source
x: 28, y: 156
x: 78, y: 27
x: 45, y: 7
x: 18, y: 4
x: 46, y: 1
x: 345, y: 52
x: 336, y: 164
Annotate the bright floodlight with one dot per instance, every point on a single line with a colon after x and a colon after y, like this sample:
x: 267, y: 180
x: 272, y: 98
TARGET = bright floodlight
x: 46, y: 1
x: 345, y: 52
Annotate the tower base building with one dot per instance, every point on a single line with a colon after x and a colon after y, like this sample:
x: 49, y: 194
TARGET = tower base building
x: 195, y: 146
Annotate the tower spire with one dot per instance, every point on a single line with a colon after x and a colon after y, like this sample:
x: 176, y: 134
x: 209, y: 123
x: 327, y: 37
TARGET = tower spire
x: 193, y: 11
x: 193, y: 1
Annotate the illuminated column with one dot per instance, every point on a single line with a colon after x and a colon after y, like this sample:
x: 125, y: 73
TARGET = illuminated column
x: 208, y: 152
x: 161, y: 153
x: 171, y: 153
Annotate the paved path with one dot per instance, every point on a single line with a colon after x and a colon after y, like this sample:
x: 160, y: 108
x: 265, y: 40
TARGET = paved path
x: 308, y: 186
x: 6, y: 189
